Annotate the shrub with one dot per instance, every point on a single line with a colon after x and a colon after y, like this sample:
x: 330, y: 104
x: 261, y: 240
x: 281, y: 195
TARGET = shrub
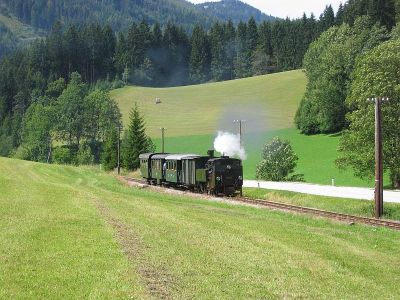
x: 279, y: 161
x: 84, y: 155
x: 62, y: 155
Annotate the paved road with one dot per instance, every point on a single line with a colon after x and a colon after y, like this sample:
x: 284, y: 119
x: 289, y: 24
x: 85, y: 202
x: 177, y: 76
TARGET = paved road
x: 325, y: 190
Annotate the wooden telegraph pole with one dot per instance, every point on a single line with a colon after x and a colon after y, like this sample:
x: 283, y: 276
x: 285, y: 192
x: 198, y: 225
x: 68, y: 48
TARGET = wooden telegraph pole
x: 162, y: 139
x: 240, y: 122
x: 119, y: 150
x: 378, y: 157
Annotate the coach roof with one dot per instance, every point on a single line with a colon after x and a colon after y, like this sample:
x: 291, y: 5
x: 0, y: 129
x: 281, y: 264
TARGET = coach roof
x: 160, y: 156
x: 181, y: 156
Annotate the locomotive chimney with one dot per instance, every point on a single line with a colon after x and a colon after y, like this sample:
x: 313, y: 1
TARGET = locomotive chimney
x: 210, y: 153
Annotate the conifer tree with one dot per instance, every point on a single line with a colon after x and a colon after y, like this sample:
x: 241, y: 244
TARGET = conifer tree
x: 199, y: 56
x: 230, y: 48
x: 219, y: 63
x: 109, y: 157
x: 327, y: 19
x: 135, y: 141
x: 242, y: 59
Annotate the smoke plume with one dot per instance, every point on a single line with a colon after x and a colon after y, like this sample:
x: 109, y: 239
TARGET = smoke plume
x: 229, y: 144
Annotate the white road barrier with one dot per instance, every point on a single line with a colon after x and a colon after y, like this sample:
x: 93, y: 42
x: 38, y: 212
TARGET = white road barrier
x: 324, y: 190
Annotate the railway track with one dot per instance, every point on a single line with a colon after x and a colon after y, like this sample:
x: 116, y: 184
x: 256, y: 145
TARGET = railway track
x: 304, y: 210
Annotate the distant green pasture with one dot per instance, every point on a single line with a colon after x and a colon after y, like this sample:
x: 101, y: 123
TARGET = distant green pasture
x: 271, y: 100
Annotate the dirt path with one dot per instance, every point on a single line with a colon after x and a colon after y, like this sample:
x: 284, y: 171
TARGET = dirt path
x: 157, y: 280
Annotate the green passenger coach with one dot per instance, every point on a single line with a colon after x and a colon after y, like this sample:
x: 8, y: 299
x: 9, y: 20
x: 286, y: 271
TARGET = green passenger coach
x: 214, y: 175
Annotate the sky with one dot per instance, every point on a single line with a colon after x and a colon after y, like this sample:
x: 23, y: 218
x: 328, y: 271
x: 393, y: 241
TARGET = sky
x: 289, y: 8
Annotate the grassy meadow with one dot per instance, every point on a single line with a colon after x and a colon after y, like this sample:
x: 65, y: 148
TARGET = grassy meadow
x: 362, y: 208
x: 194, y: 114
x: 270, y: 102
x: 79, y: 233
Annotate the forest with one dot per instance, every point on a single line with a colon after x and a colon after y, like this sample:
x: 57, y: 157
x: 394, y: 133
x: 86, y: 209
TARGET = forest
x: 119, y: 14
x: 170, y: 55
x: 147, y: 55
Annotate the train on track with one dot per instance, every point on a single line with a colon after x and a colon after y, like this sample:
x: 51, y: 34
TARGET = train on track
x: 205, y: 174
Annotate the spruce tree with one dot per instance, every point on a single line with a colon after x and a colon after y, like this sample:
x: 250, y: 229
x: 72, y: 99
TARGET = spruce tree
x: 219, y: 63
x: 327, y: 19
x: 109, y: 157
x: 230, y: 48
x: 242, y: 60
x: 135, y: 140
x: 199, y: 56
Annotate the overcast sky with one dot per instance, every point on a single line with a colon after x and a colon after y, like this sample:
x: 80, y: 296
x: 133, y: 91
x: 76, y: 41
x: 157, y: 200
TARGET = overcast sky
x: 289, y: 8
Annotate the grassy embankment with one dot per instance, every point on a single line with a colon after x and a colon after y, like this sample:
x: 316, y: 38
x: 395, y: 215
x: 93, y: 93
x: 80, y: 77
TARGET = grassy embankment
x: 78, y: 233
x: 362, y: 208
x: 193, y: 115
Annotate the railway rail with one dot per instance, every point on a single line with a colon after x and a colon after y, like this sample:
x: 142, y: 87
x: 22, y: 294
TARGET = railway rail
x: 303, y: 210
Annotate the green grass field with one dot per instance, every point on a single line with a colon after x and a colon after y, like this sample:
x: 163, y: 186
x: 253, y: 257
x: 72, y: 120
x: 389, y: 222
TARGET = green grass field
x: 362, y: 208
x: 78, y: 233
x: 271, y: 101
x: 194, y: 114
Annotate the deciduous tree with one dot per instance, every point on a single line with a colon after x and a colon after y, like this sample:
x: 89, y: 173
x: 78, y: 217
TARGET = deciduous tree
x: 376, y: 74
x: 278, y: 161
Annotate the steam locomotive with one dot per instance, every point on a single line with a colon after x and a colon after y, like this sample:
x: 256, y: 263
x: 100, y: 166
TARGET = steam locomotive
x: 204, y: 174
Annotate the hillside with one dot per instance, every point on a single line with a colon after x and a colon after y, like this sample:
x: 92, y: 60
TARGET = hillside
x: 78, y: 233
x: 120, y: 14
x: 233, y: 10
x: 14, y: 34
x: 267, y: 102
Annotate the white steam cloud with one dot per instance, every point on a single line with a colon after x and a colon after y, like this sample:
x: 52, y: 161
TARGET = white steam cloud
x: 229, y: 144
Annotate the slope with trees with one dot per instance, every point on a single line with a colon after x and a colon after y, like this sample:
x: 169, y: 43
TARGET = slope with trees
x: 119, y: 14
x: 377, y: 74
x: 233, y: 10
x: 329, y: 63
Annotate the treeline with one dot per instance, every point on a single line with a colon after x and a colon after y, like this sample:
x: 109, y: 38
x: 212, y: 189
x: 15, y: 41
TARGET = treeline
x: 361, y: 25
x: 384, y: 12
x: 329, y: 65
x: 75, y: 124
x: 147, y: 55
x: 345, y: 66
